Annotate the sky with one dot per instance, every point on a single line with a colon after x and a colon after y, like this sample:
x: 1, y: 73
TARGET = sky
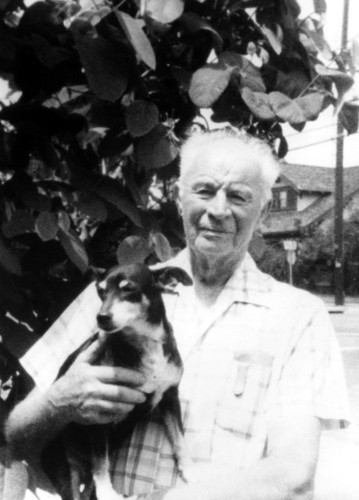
x: 321, y: 132
x: 324, y: 128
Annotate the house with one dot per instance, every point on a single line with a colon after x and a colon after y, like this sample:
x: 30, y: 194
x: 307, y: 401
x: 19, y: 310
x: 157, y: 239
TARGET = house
x: 304, y: 195
x: 304, y: 198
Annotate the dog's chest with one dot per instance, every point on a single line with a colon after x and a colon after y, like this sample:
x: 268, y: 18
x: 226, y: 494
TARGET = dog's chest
x: 146, y: 355
x: 159, y: 371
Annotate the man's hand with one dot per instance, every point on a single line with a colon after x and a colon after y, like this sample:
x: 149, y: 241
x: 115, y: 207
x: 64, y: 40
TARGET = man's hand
x: 86, y: 394
x: 90, y: 394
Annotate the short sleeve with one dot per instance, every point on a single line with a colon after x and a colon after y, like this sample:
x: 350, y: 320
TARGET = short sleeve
x: 311, y: 380
x: 75, y: 325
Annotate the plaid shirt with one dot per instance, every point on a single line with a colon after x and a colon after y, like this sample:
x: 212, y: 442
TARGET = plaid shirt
x: 264, y: 350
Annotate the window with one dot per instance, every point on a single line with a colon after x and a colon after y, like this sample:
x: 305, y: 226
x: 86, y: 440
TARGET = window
x: 284, y: 199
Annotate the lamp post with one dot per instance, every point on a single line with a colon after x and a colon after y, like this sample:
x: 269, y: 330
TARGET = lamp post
x: 339, y: 174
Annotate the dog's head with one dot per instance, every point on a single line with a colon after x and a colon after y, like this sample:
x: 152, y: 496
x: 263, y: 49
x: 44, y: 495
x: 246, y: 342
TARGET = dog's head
x: 131, y: 297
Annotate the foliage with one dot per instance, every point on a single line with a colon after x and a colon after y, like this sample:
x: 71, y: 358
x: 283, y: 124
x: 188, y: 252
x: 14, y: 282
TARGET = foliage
x: 316, y: 252
x: 270, y: 257
x: 107, y: 90
x: 314, y: 265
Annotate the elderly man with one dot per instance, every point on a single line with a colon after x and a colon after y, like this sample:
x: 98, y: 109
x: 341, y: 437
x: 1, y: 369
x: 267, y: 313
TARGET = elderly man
x: 263, y: 373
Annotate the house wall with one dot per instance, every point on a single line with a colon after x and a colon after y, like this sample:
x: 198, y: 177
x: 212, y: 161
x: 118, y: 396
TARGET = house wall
x: 351, y: 207
x: 304, y: 200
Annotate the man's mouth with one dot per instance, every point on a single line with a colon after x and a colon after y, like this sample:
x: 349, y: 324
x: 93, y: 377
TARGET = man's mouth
x: 215, y: 230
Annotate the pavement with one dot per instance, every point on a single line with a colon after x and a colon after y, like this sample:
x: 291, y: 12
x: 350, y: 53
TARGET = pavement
x: 345, y: 320
x: 337, y: 470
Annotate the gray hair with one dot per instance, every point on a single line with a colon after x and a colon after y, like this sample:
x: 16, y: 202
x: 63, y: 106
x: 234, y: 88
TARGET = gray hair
x: 260, y: 151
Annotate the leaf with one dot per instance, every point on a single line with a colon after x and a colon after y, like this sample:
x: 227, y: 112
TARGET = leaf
x: 132, y: 249
x: 193, y: 23
x: 93, y: 16
x: 141, y: 117
x: 311, y: 105
x: 182, y: 76
x: 285, y: 108
x: 162, y: 246
x: 36, y: 201
x: 113, y: 192
x: 114, y: 143
x: 9, y: 292
x: 208, y: 84
x: 137, y: 37
x: 163, y: 11
x: 46, y: 225
x: 342, y: 81
x: 156, y: 149
x: 64, y: 220
x: 293, y: 84
x: 74, y: 249
x: 250, y: 75
x: 106, y: 69
x: 21, y: 222
x: 49, y: 55
x: 321, y: 44
x: 273, y: 38
x: 8, y: 259
x: 7, y: 47
x: 283, y: 147
x: 93, y: 207
x: 258, y: 103
x: 349, y: 116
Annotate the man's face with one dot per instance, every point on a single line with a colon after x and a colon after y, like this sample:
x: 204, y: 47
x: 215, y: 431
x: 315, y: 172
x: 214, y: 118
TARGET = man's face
x: 221, y: 197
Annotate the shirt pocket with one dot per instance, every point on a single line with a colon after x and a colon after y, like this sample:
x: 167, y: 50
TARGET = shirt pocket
x: 244, y: 393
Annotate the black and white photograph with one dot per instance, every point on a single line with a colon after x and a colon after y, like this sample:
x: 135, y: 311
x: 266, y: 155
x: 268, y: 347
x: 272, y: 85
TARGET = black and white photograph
x: 179, y: 249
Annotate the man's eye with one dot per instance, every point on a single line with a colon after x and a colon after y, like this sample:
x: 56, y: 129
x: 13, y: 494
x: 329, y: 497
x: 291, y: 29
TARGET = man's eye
x: 204, y: 193
x: 237, y: 198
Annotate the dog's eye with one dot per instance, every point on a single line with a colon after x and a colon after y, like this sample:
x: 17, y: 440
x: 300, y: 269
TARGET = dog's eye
x: 101, y: 288
x: 126, y: 286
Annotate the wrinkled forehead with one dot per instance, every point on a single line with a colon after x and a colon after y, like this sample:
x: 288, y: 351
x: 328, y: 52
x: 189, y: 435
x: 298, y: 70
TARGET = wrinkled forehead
x: 228, y: 160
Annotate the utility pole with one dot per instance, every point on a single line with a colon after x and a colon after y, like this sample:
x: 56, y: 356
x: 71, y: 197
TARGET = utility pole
x: 339, y: 191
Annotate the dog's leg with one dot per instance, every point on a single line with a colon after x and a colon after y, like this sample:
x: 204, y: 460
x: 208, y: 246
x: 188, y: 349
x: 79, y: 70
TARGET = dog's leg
x: 101, y: 468
x: 75, y: 482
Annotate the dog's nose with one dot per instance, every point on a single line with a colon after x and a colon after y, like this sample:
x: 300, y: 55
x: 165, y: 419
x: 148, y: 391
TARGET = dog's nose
x: 104, y: 320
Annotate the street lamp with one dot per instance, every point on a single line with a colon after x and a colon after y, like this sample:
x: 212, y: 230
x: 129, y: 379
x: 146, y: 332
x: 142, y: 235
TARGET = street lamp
x: 290, y: 246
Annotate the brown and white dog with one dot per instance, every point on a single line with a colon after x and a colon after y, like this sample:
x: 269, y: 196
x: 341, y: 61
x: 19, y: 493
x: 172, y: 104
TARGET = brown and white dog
x: 138, y: 335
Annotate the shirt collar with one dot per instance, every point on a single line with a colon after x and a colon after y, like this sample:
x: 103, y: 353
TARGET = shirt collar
x: 247, y: 285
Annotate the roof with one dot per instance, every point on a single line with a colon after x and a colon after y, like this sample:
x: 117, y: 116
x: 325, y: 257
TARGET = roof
x: 308, y: 177
x: 285, y: 222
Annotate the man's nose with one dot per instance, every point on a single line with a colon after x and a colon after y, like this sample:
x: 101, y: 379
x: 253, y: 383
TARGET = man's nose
x: 218, y: 206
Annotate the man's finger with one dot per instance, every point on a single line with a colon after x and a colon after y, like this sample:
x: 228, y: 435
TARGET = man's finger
x: 122, y: 394
x: 116, y: 375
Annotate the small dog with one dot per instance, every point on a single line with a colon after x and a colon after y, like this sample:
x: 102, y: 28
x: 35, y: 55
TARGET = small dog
x: 138, y: 335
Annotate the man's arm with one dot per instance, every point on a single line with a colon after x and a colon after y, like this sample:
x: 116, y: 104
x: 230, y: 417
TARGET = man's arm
x: 85, y: 393
x: 287, y: 473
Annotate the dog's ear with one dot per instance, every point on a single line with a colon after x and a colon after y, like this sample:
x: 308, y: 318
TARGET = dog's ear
x: 168, y: 277
x: 96, y: 273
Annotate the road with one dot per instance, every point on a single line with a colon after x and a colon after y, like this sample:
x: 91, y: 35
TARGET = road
x: 346, y: 325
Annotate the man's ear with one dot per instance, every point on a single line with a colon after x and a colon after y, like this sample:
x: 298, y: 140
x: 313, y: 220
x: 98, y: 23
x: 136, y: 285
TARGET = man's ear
x: 177, y: 192
x: 168, y: 277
